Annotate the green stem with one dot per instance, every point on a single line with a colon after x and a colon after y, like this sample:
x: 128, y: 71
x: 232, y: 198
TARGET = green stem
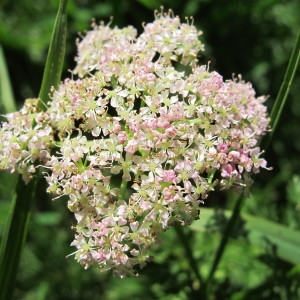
x: 14, y: 236
x: 185, y: 242
x: 224, y: 241
x: 123, y: 188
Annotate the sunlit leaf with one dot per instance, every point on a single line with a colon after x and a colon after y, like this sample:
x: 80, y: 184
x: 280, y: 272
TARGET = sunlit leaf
x: 56, y: 54
x: 273, y: 238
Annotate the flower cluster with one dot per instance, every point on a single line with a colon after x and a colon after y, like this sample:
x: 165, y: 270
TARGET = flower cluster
x: 25, y: 139
x: 139, y: 139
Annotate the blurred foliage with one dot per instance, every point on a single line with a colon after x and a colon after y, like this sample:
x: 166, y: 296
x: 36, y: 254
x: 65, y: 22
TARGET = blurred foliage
x: 254, y: 38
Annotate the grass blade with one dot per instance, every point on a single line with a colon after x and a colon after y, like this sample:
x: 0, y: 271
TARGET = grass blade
x: 283, y: 92
x: 16, y: 227
x: 56, y: 54
x: 7, y: 102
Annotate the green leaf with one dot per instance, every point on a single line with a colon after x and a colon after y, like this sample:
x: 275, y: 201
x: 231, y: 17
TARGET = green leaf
x: 274, y: 239
x: 7, y: 191
x: 283, y: 91
x: 56, y: 54
x: 16, y: 227
x: 7, y: 102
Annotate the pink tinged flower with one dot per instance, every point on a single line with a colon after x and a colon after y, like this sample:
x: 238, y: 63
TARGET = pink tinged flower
x: 228, y: 171
x: 100, y: 229
x: 101, y: 255
x: 150, y: 123
x: 134, y: 125
x: 134, y: 226
x: 262, y: 163
x: 145, y: 205
x: 163, y: 122
x: 222, y: 157
x: 176, y: 112
x: 122, y: 137
x: 222, y: 147
x: 234, y: 156
x: 256, y: 160
x: 116, y: 127
x: 186, y: 170
x: 77, y: 182
x: 259, y: 163
x: 168, y: 175
x: 169, y: 193
x: 132, y: 146
x: 171, y: 132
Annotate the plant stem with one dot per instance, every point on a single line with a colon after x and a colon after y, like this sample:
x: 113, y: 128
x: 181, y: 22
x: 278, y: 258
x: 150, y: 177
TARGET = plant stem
x: 123, y: 188
x: 185, y: 242
x: 14, y: 236
x: 224, y: 241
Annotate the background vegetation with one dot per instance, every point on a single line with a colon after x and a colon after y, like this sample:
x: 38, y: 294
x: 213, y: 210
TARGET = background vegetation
x: 252, y: 38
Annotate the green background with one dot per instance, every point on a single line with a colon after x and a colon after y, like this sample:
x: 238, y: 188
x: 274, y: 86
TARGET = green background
x: 253, y: 38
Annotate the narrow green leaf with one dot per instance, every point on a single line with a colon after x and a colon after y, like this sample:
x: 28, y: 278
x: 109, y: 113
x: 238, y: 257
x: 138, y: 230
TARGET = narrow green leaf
x: 283, y: 92
x: 16, y: 227
x: 284, y: 242
x: 7, y: 102
x: 273, y: 238
x: 14, y: 237
x: 8, y: 184
x: 56, y: 54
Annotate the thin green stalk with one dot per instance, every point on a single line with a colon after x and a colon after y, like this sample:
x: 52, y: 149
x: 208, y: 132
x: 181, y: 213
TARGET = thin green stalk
x: 224, y: 241
x: 185, y: 242
x: 283, y: 92
x: 14, y: 236
x: 123, y: 189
